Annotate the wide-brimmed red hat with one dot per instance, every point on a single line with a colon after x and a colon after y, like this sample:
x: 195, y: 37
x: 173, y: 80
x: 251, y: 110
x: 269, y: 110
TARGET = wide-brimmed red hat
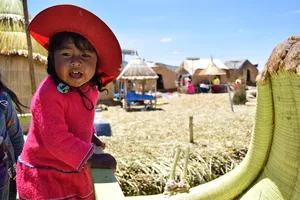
x: 72, y: 18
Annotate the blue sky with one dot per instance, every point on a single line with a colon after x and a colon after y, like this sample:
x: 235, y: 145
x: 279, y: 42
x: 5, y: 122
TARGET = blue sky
x: 168, y: 31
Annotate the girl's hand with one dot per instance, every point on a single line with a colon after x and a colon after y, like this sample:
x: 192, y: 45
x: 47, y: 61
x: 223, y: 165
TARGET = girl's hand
x: 98, y: 142
x: 102, y: 144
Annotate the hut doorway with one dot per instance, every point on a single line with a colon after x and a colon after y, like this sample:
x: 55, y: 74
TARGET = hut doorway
x: 248, y: 75
x: 160, y: 82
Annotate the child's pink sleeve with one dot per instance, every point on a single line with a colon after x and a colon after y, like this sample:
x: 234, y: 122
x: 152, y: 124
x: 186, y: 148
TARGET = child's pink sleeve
x: 94, y: 130
x: 48, y: 112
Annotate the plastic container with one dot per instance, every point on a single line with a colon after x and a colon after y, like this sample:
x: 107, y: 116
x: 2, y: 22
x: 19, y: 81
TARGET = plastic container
x: 102, y: 129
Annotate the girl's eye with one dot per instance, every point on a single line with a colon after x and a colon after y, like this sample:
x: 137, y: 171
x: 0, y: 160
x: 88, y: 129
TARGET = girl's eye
x: 66, y: 54
x: 85, y: 55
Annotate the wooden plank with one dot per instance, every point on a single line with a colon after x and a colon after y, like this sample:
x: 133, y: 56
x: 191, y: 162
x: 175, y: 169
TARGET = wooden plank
x: 106, y: 186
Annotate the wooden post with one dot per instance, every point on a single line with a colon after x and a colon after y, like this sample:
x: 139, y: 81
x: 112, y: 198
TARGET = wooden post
x: 118, y: 83
x: 125, y: 92
x: 143, y: 86
x: 191, y: 130
x: 230, y: 100
x: 30, y: 57
x: 155, y: 92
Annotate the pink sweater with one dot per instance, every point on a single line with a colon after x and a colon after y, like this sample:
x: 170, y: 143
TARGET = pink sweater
x: 51, y: 165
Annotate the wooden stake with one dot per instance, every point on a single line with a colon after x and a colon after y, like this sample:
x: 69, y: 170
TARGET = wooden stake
x: 30, y: 57
x: 230, y: 100
x: 125, y: 93
x: 155, y: 83
x: 191, y: 130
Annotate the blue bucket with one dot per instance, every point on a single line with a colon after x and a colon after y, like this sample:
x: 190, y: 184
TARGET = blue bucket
x: 102, y: 129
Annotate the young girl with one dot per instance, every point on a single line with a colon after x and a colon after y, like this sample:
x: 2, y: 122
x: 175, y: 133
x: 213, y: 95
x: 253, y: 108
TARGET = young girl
x: 191, y: 88
x: 11, y: 141
x: 83, y: 56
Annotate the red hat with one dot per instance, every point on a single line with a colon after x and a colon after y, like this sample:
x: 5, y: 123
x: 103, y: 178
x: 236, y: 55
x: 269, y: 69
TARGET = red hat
x: 72, y: 18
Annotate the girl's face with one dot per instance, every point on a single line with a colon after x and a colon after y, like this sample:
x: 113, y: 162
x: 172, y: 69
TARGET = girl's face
x: 74, y: 66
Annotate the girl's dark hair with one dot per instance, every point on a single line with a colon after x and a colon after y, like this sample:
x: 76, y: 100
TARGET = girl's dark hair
x: 81, y: 43
x: 13, y: 97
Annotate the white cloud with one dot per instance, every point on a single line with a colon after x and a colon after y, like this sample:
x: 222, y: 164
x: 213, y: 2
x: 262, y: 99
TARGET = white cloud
x: 166, y: 40
x: 292, y: 12
x: 175, y: 52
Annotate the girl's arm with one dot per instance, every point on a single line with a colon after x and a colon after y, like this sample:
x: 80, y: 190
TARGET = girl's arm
x: 97, y: 141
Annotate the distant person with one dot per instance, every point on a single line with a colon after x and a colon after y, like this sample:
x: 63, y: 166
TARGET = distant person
x: 216, y: 85
x: 204, y: 88
x: 179, y: 83
x: 216, y: 81
x: 186, y: 81
x: 191, y: 88
x: 11, y: 141
x: 83, y: 56
x: 238, y: 83
x: 190, y: 78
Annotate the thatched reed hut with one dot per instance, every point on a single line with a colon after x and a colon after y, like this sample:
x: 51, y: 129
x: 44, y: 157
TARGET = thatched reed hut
x: 13, y: 52
x: 137, y: 76
x: 242, y: 69
x: 194, y: 67
x: 166, y: 75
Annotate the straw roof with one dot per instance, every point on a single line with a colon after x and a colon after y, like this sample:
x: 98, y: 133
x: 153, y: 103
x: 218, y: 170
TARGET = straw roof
x: 157, y: 64
x: 11, y: 7
x: 192, y: 65
x: 238, y: 64
x: 181, y: 70
x: 212, y: 69
x: 12, y: 32
x: 137, y: 69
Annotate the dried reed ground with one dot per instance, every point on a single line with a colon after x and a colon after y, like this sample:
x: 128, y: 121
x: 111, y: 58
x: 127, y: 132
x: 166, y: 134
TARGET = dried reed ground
x: 144, y: 142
